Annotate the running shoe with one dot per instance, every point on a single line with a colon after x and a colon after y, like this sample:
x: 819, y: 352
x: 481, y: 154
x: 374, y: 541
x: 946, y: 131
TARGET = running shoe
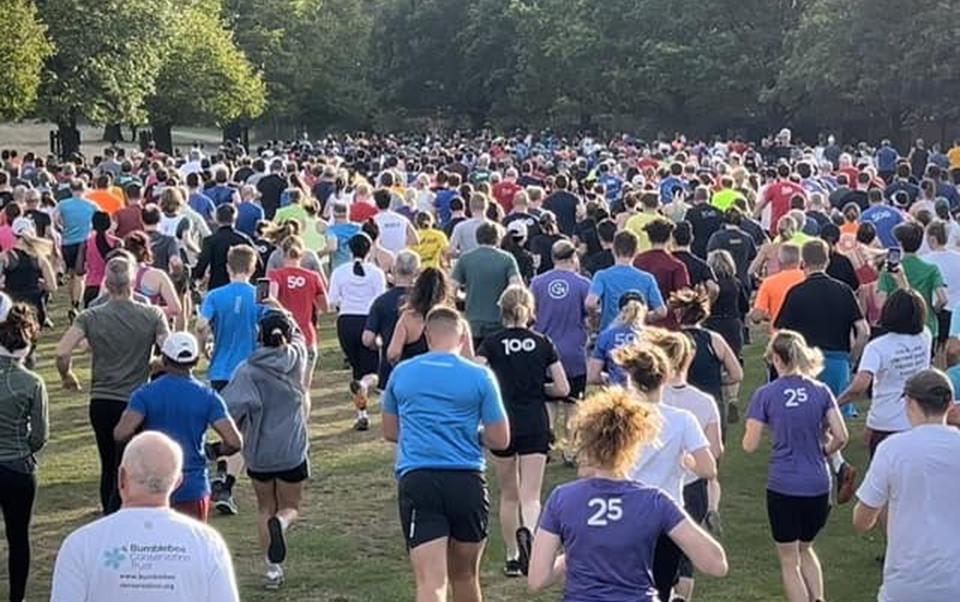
x: 850, y: 410
x: 273, y: 579
x: 277, y: 550
x: 569, y: 459
x: 359, y: 393
x: 72, y: 314
x: 846, y: 483
x: 512, y: 569
x: 222, y: 499
x: 362, y: 424
x: 733, y: 413
x: 713, y: 523
x: 524, y: 545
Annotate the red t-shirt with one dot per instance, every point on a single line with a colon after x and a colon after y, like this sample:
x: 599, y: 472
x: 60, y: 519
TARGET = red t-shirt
x: 671, y: 275
x: 361, y: 212
x: 779, y: 195
x: 300, y: 290
x: 504, y: 193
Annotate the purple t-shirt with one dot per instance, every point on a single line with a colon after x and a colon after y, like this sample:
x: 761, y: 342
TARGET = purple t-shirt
x: 561, y: 315
x: 795, y: 410
x: 609, y: 530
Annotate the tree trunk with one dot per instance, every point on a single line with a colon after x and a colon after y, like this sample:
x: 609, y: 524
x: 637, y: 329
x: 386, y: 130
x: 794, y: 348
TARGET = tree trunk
x: 69, y: 138
x: 163, y: 137
x: 133, y: 132
x: 113, y: 133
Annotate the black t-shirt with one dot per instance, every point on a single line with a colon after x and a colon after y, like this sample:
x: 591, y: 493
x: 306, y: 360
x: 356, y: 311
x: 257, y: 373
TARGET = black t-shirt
x: 564, y: 205
x: 524, y: 260
x: 598, y: 261
x: 841, y: 268
x: 542, y: 246
x: 264, y: 249
x: 448, y: 229
x: 41, y: 220
x: 5, y: 197
x: 586, y: 233
x: 804, y: 311
x: 698, y: 269
x: 271, y: 187
x: 755, y: 230
x: 242, y: 174
x: 705, y: 220
x: 382, y: 321
x: 533, y: 224
x: 739, y: 244
x: 520, y: 357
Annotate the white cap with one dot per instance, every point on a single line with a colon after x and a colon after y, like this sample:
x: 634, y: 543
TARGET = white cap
x: 23, y: 225
x: 181, y: 347
x: 517, y: 228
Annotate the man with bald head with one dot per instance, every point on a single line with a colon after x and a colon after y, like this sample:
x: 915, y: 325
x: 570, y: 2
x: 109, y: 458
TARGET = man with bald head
x: 146, y: 551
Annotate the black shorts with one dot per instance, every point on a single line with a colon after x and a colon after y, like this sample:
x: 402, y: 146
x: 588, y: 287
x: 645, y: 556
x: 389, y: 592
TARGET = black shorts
x: 875, y: 438
x: 218, y: 385
x: 943, y: 324
x: 71, y: 256
x: 525, y: 445
x: 578, y: 389
x: 443, y: 503
x: 695, y: 503
x: 796, y: 518
x: 294, y: 475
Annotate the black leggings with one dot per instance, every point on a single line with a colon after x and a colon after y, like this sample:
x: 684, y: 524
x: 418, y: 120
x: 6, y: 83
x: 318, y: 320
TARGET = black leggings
x: 666, y: 566
x: 17, y: 492
x: 104, y: 416
x: 363, y: 360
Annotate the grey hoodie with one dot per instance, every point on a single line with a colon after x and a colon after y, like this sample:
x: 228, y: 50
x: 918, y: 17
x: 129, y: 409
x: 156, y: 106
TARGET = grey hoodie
x: 265, y: 397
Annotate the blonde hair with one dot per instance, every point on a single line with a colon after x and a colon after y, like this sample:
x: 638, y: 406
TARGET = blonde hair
x: 292, y: 247
x: 647, y: 366
x: 721, y: 262
x: 516, y: 305
x: 610, y: 428
x: 677, y: 347
x: 786, y: 228
x: 796, y: 355
x: 634, y: 314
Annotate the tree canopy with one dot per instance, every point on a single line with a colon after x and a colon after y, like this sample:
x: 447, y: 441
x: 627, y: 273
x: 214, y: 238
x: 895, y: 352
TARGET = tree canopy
x: 23, y: 49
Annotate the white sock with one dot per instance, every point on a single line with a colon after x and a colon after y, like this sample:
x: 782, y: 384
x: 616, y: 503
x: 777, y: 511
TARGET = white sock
x: 362, y: 413
x: 283, y: 523
x: 836, y: 461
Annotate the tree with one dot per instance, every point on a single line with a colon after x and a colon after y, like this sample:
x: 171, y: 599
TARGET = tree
x: 23, y: 48
x: 106, y: 63
x: 204, y: 79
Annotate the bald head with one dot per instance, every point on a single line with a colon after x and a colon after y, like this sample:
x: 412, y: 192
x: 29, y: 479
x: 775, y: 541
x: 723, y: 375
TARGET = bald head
x: 151, y: 469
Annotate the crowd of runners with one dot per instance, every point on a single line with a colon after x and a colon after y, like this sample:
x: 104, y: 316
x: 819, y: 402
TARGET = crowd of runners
x: 512, y: 300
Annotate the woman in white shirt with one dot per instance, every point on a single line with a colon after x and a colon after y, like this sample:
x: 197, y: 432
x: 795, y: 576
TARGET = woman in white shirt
x: 681, y: 446
x: 888, y: 361
x: 353, y: 287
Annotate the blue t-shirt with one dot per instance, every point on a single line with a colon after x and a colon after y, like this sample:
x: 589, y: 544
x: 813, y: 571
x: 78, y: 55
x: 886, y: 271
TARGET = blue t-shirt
x: 182, y: 408
x: 77, y: 215
x: 343, y: 233
x: 203, y: 205
x: 669, y: 186
x: 442, y: 204
x: 233, y: 314
x: 884, y: 218
x: 613, y: 185
x: 610, y: 284
x: 611, y: 339
x: 248, y: 214
x: 441, y: 400
x: 887, y: 157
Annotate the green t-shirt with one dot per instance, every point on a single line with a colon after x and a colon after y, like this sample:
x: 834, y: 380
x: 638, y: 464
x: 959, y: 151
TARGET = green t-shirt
x: 484, y: 272
x: 724, y: 199
x: 924, y: 278
x: 292, y: 212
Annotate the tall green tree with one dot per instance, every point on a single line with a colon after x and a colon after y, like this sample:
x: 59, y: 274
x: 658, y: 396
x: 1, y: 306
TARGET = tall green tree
x: 23, y: 48
x: 108, y: 56
x: 205, y: 79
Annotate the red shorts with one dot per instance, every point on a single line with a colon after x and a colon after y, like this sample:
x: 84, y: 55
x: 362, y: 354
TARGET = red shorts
x: 198, y: 509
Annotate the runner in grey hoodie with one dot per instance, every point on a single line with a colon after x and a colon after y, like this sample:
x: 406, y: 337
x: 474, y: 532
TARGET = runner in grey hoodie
x: 267, y: 399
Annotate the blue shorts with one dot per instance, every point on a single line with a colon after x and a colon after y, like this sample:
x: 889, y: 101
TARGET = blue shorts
x: 836, y: 371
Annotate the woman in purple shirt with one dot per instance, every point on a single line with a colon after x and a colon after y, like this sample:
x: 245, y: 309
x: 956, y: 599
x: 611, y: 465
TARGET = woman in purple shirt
x: 607, y: 524
x: 797, y: 409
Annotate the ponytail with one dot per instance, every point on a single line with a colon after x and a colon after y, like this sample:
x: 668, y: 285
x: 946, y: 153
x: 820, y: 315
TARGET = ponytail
x: 792, y: 349
x: 358, y: 268
x: 633, y: 314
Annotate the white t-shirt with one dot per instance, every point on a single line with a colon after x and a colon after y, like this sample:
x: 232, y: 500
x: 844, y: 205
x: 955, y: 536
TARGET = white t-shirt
x: 892, y: 359
x: 661, y: 462
x: 147, y: 555
x: 698, y: 403
x: 916, y: 474
x: 355, y: 294
x: 948, y: 261
x: 393, y: 230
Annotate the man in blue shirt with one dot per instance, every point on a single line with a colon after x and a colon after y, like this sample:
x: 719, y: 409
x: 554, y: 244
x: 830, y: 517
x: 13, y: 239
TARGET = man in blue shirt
x: 180, y: 406
x: 74, y: 215
x: 434, y: 407
x: 449, y: 186
x: 886, y: 158
x: 343, y: 230
x: 198, y: 201
x: 610, y: 284
x: 883, y: 217
x: 249, y: 211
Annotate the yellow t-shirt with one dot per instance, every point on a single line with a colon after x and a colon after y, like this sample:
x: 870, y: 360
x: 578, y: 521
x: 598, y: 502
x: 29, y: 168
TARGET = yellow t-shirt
x: 636, y: 223
x: 953, y: 155
x: 433, y: 244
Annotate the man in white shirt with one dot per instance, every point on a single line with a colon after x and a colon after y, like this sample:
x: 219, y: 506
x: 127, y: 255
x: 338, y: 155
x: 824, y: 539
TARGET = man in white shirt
x: 396, y: 231
x: 146, y: 551
x: 913, y: 476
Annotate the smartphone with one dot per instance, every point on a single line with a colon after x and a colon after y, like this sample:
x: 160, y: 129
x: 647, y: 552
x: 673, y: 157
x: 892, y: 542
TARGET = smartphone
x: 263, y: 289
x: 893, y: 259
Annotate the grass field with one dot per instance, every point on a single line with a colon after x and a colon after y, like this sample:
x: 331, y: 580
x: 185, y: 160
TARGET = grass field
x: 348, y: 546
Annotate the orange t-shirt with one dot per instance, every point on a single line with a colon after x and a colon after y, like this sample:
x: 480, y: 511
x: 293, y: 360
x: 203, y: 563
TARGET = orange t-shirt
x: 106, y: 200
x: 773, y: 291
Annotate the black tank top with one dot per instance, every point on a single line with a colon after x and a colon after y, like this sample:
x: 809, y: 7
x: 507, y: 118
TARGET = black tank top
x: 22, y: 276
x: 418, y: 347
x: 706, y: 371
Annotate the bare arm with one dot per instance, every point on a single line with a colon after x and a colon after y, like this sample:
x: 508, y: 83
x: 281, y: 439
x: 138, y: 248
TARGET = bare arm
x: 751, y: 435
x: 390, y: 425
x: 496, y: 435
x: 169, y: 295
x: 130, y: 421
x: 838, y: 432
x: 546, y: 566
x: 49, y: 276
x: 731, y: 365
x: 595, y: 371
x: 560, y: 387
x: 395, y: 347
x: 861, y: 382
x: 702, y: 463
x: 704, y: 551
x: 716, y: 441
x: 865, y: 517
x: 231, y: 441
x: 71, y: 339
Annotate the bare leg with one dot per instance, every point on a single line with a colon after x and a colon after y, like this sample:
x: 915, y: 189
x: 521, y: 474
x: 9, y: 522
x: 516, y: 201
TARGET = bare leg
x: 812, y: 573
x: 429, y: 562
x: 289, y: 496
x: 793, y: 584
x: 508, y: 478
x: 464, y: 565
x: 713, y: 495
x: 531, y: 481
x: 684, y: 588
x: 266, y: 507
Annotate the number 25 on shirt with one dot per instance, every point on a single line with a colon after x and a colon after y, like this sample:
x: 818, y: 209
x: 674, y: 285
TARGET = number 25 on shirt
x: 604, y: 511
x: 795, y: 397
